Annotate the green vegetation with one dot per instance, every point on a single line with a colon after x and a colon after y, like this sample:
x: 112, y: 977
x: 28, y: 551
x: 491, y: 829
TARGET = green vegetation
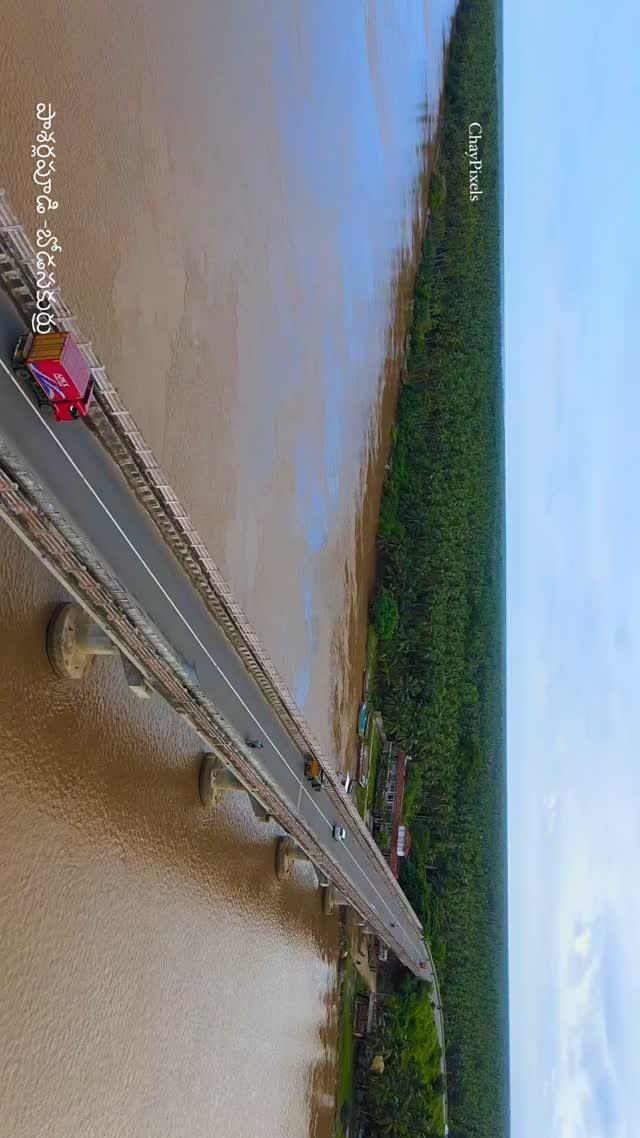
x: 346, y: 1045
x: 372, y: 657
x: 365, y: 794
x: 441, y: 559
x: 351, y: 984
x: 386, y: 614
x: 406, y: 1099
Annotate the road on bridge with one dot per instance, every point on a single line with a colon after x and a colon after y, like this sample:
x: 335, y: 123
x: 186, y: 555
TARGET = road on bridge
x: 87, y: 488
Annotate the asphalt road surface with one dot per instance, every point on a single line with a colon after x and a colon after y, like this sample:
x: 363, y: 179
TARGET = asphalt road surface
x: 83, y: 482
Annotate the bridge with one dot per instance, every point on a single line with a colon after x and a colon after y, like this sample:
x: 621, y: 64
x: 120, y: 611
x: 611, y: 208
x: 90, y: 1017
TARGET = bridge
x: 95, y: 508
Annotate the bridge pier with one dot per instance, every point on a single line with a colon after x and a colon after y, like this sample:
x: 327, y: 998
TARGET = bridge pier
x: 288, y: 853
x: 135, y: 680
x: 215, y: 780
x: 332, y: 899
x: 74, y: 640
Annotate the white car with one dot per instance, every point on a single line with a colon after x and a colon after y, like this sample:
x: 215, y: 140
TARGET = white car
x: 339, y: 833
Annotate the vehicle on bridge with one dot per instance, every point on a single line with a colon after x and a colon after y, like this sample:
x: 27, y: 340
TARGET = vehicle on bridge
x: 255, y: 744
x: 339, y: 833
x: 314, y: 772
x: 55, y: 368
x: 347, y: 781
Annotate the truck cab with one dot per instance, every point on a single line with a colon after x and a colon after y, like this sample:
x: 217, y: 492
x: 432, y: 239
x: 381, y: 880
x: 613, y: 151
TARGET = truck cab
x: 313, y: 772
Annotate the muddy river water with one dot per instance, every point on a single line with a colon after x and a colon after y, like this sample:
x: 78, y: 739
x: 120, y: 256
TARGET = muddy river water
x: 238, y: 187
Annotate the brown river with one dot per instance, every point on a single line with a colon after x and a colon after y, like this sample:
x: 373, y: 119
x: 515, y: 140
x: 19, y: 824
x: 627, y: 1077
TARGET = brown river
x: 239, y: 196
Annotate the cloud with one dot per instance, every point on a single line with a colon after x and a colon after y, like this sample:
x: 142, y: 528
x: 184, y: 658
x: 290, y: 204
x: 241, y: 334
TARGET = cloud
x: 572, y: 294
x: 588, y: 1100
x: 550, y: 803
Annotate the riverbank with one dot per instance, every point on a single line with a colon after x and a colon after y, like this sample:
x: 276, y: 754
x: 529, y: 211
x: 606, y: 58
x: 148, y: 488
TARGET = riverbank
x: 439, y: 601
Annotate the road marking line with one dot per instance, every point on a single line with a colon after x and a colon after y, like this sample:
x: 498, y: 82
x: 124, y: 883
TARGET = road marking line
x: 184, y: 620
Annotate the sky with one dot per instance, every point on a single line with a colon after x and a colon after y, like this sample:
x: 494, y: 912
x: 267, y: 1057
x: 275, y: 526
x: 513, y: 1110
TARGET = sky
x: 572, y: 314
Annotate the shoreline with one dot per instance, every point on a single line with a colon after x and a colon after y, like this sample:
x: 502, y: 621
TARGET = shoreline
x: 441, y: 542
x: 349, y: 657
x: 367, y: 534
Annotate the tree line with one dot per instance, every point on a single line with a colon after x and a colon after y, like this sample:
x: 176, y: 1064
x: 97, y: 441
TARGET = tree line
x: 439, y: 608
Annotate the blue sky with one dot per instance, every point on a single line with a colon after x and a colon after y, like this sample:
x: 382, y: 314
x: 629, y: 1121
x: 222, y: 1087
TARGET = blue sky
x: 572, y: 304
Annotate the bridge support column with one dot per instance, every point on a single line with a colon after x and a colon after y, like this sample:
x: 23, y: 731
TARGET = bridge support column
x: 73, y: 640
x: 136, y: 681
x: 216, y: 780
x: 258, y: 809
x: 332, y: 899
x: 288, y: 853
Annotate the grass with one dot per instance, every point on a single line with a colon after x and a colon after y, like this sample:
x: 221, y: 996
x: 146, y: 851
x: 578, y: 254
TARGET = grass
x: 352, y: 984
x: 372, y: 656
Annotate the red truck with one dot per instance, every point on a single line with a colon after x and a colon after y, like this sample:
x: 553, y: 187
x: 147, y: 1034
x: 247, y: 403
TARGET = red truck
x: 54, y: 366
